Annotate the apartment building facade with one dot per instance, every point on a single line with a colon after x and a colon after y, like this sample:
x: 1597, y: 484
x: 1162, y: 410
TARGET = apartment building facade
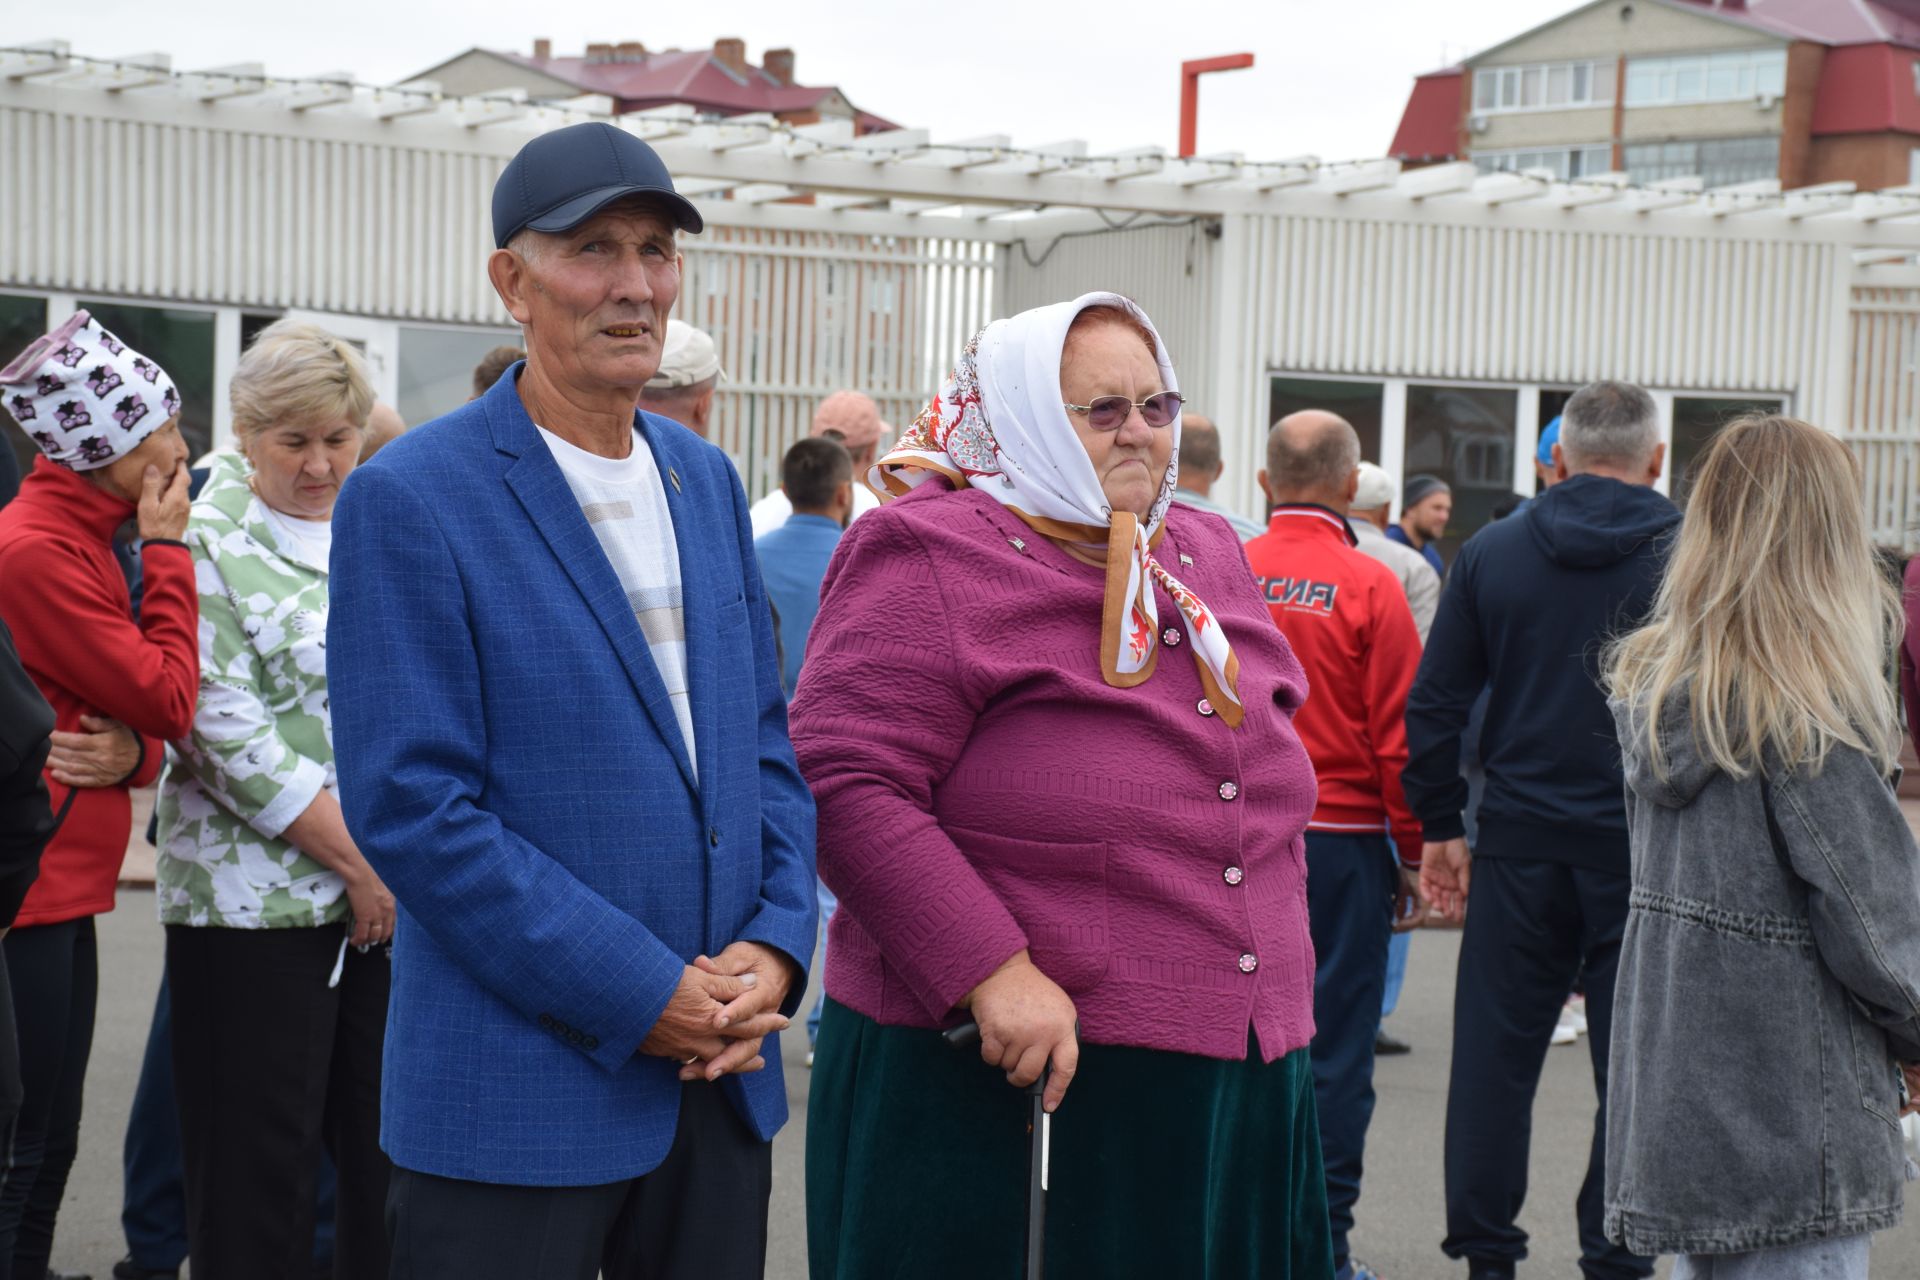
x: 1802, y: 92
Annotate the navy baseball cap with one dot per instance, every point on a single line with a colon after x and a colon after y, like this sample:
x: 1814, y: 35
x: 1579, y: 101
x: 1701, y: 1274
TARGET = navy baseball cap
x: 562, y: 178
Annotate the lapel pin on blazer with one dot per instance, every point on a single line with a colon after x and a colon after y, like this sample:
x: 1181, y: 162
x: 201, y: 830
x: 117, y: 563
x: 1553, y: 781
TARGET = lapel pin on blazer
x: 675, y: 477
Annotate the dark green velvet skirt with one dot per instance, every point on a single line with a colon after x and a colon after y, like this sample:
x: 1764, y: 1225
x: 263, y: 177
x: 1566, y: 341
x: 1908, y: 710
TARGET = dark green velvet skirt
x: 1164, y: 1165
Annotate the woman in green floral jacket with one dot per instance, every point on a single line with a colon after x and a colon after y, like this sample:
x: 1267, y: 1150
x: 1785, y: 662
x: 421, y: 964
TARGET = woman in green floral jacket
x: 276, y: 926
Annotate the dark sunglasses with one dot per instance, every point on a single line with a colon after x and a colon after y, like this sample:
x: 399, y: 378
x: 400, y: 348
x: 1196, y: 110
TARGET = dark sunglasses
x: 1109, y: 413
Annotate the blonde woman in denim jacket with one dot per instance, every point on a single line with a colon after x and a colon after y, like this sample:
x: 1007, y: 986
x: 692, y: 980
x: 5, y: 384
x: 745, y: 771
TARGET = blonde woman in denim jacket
x: 1769, y: 992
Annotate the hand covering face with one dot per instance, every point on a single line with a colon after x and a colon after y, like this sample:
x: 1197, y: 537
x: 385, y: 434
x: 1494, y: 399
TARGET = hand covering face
x: 1000, y: 425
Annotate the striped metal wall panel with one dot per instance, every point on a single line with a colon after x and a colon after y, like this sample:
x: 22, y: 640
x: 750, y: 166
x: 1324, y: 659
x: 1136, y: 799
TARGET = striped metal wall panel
x: 1169, y: 271
x: 1883, y: 423
x: 189, y: 214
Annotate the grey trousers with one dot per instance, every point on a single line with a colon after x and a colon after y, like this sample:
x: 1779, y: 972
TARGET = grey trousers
x: 1839, y: 1258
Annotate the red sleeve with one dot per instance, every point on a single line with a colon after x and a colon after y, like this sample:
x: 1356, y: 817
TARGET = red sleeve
x: 1392, y: 659
x: 76, y: 629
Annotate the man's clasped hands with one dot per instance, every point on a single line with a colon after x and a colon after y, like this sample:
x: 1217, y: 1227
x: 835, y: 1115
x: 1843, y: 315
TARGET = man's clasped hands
x: 724, y: 1007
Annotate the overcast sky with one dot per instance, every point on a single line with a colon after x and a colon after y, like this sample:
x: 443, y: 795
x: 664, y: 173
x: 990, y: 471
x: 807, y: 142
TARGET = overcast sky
x: 1330, y: 76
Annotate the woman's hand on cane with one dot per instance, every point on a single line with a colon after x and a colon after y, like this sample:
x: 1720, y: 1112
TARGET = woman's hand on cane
x: 1025, y: 1020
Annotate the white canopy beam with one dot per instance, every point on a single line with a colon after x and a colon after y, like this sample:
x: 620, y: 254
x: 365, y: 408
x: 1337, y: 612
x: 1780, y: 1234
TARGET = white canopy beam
x: 219, y: 83
x: 38, y: 58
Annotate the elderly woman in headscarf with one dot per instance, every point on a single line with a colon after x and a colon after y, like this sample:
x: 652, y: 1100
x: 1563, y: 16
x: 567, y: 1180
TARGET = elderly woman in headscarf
x: 107, y: 421
x: 1048, y: 723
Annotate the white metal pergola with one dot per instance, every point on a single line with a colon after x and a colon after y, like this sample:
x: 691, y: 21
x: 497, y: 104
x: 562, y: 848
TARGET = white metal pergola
x: 746, y: 170
x: 836, y: 259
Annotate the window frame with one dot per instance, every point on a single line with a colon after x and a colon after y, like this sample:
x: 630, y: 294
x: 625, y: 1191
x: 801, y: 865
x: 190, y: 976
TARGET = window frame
x: 1526, y: 441
x: 1505, y: 86
x: 1763, y: 72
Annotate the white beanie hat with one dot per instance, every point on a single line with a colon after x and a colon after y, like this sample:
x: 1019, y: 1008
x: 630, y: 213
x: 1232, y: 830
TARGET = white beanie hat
x: 86, y: 397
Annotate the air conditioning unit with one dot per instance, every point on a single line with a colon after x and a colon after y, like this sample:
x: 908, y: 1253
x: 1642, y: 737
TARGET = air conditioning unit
x: 1764, y: 101
x: 1479, y: 124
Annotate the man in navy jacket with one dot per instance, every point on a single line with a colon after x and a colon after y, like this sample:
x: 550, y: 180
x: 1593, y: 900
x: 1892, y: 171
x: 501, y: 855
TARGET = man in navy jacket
x: 1528, y: 608
x: 561, y: 740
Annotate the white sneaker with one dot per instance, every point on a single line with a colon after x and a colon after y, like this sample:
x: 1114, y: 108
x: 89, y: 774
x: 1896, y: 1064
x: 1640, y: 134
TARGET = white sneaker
x: 1577, y: 1011
x: 1564, y: 1031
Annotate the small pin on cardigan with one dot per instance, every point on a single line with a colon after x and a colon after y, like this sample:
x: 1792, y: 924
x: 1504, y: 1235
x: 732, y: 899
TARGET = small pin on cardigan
x: 1186, y: 560
x: 675, y: 477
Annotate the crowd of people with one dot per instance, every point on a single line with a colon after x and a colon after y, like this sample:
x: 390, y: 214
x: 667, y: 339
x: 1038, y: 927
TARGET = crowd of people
x: 507, y: 779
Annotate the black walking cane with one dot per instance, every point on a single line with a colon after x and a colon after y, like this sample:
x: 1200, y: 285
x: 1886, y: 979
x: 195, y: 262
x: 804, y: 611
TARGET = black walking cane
x: 1039, y: 1135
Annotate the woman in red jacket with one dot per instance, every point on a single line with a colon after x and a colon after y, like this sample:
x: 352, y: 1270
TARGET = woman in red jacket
x: 106, y: 419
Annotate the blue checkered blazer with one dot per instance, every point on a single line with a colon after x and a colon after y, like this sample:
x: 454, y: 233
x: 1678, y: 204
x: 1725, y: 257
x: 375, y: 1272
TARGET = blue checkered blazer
x: 510, y: 764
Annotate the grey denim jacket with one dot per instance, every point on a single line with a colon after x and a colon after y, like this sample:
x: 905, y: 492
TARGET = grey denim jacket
x: 1768, y: 981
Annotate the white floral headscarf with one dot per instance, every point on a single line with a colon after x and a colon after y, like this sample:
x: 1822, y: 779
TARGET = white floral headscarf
x: 1000, y: 425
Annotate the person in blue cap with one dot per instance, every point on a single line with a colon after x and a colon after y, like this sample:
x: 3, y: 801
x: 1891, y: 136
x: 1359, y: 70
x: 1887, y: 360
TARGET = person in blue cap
x: 1543, y: 462
x: 562, y: 743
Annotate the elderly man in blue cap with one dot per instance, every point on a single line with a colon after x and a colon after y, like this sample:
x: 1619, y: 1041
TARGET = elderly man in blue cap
x: 561, y: 740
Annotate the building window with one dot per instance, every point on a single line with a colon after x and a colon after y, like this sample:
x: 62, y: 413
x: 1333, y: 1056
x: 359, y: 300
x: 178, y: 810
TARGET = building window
x: 436, y: 368
x: 181, y: 342
x: 1565, y: 163
x: 1706, y: 77
x: 1720, y: 162
x: 1696, y: 420
x: 1554, y: 86
x: 22, y: 320
x: 1463, y: 435
x: 1360, y: 403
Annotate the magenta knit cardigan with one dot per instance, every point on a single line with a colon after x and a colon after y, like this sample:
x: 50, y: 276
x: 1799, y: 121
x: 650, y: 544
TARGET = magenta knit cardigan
x: 982, y: 789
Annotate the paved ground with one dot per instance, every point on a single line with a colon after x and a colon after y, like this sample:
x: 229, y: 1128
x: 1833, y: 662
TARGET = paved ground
x: 1401, y: 1217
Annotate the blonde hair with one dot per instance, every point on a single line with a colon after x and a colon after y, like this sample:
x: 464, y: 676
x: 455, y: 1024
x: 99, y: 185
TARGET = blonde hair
x: 298, y: 373
x: 1774, y: 618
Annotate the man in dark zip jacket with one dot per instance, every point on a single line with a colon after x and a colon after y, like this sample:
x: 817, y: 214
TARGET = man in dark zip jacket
x: 26, y: 824
x: 1529, y: 606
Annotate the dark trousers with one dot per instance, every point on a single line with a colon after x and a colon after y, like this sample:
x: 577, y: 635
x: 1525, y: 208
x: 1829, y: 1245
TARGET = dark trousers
x: 273, y: 1068
x: 702, y: 1212
x: 54, y: 971
x: 153, y: 1184
x: 1350, y: 886
x: 153, y: 1195
x: 1531, y: 927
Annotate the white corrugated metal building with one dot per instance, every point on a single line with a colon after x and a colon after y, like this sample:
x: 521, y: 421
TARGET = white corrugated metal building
x: 1445, y: 312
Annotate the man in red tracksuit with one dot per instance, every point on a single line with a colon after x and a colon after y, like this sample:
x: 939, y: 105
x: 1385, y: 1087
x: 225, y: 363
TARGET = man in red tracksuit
x: 1347, y: 619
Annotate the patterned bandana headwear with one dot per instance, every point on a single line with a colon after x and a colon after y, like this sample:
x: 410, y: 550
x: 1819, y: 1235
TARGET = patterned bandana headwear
x: 1000, y: 426
x: 86, y: 397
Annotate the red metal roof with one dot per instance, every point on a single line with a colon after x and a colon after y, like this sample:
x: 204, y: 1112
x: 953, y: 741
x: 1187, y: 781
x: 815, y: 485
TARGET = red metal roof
x: 1430, y: 126
x: 1834, y: 22
x: 1867, y: 88
x: 694, y: 77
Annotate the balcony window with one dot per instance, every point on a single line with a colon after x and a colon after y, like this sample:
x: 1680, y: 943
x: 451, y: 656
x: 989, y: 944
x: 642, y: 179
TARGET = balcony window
x: 1720, y: 162
x: 1567, y: 164
x: 1706, y: 77
x: 1550, y: 86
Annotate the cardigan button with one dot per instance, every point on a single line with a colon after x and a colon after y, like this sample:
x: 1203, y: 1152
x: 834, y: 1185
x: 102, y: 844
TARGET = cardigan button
x: 1171, y: 635
x: 1229, y: 790
x: 1204, y: 707
x: 713, y: 836
x: 1248, y: 962
x: 1233, y: 875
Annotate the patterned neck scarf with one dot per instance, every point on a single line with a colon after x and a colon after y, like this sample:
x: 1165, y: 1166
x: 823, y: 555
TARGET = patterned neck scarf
x: 1000, y: 425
